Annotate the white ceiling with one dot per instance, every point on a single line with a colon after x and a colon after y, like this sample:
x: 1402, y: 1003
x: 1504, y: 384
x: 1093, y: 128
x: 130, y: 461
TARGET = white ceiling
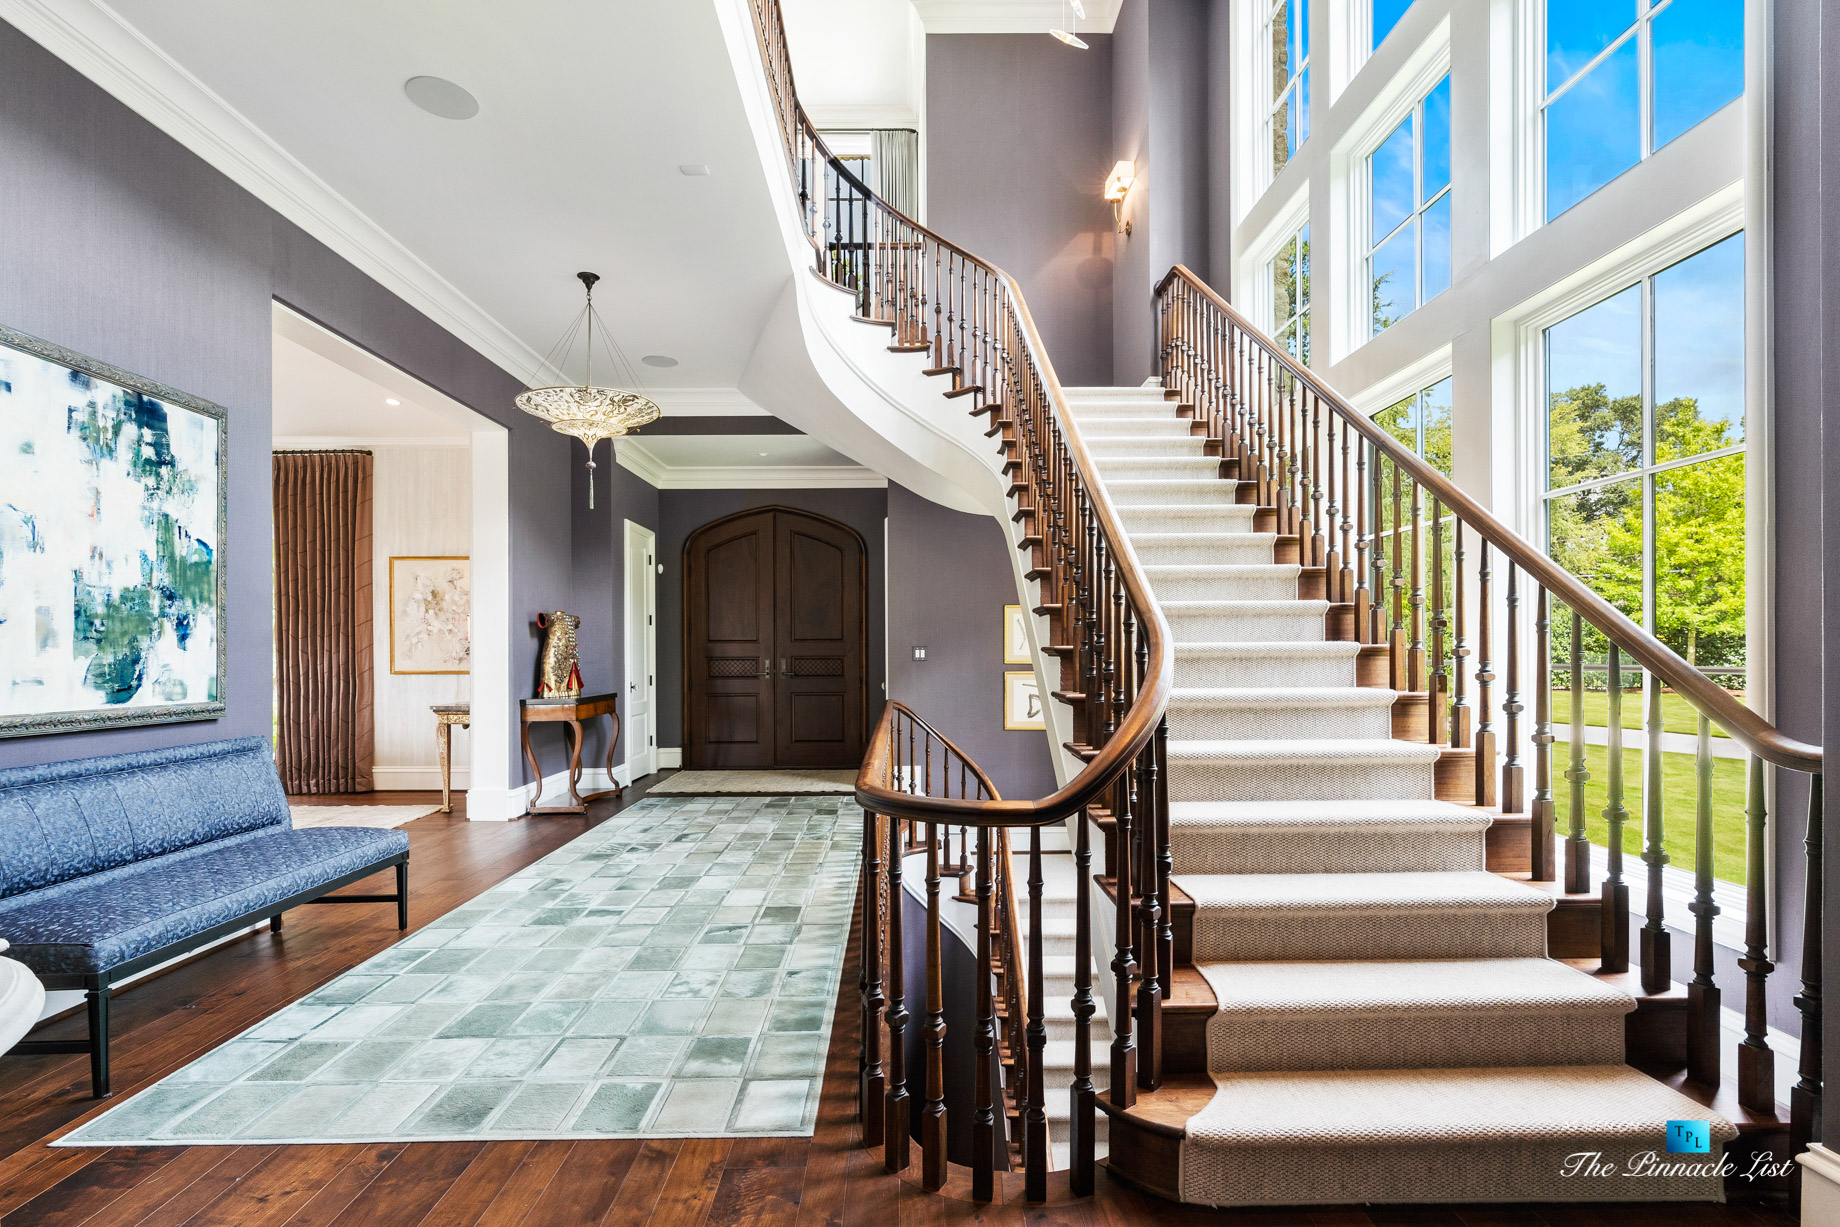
x: 586, y: 112
x: 858, y: 63
x: 1013, y: 16
x: 316, y: 397
x: 747, y: 451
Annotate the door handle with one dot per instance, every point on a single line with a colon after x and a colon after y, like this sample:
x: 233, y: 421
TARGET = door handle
x: 766, y: 667
x: 785, y: 666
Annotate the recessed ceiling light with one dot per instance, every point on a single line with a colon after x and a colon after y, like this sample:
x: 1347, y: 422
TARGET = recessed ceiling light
x: 658, y: 360
x: 439, y: 96
x: 693, y: 169
x: 391, y: 400
x: 760, y: 453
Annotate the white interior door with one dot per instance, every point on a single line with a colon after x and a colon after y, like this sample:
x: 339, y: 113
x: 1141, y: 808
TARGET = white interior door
x: 640, y: 705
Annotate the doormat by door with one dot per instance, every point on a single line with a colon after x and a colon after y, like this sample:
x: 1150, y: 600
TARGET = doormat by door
x: 792, y: 781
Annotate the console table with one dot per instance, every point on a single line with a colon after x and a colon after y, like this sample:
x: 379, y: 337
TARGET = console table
x: 446, y: 715
x: 569, y: 712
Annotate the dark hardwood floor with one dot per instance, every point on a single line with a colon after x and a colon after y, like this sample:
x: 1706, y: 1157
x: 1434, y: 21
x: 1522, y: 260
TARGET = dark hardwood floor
x: 168, y: 1020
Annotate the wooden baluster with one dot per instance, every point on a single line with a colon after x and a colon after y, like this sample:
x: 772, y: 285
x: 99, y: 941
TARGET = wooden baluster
x: 1513, y: 795
x: 1805, y: 1096
x: 1485, y: 677
x: 1082, y: 1106
x: 895, y: 1149
x: 933, y: 1119
x: 1542, y: 814
x: 1123, y: 1090
x: 1703, y: 1056
x: 1382, y: 586
x: 1415, y: 652
x: 872, y: 1085
x: 1149, y: 929
x: 1657, y: 942
x: 1436, y: 717
x: 1035, y: 1117
x: 983, y: 1113
x: 1318, y: 536
x: 1363, y: 596
x: 1577, y: 843
x: 1756, y: 1060
x: 1165, y: 865
x: 1459, y: 652
x: 1615, y: 920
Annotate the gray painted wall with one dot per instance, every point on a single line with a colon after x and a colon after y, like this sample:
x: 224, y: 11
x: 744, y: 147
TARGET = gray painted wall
x: 1131, y: 142
x: 958, y: 688
x: 117, y: 242
x: 1018, y: 147
x: 1806, y: 226
x: 682, y: 512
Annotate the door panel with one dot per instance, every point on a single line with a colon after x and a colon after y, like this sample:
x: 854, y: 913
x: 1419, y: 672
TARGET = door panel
x: 637, y: 717
x: 821, y: 583
x: 775, y: 651
x: 729, y: 710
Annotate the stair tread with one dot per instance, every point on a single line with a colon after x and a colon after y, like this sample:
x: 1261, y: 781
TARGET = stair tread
x: 1409, y: 986
x: 1418, y: 891
x: 1380, y: 814
x: 1417, y: 1107
x: 1290, y: 606
x: 1339, y: 749
x: 1227, y: 570
x: 1287, y: 696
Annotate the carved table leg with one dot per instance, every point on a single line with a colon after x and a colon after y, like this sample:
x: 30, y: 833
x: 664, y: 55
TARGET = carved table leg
x: 530, y: 756
x: 613, y: 737
x: 443, y: 748
x: 575, y: 764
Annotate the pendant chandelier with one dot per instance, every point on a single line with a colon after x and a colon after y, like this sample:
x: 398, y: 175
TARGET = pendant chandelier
x: 587, y: 412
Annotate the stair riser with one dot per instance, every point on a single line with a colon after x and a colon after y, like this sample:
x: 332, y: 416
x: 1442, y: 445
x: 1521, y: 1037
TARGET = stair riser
x: 1251, y: 552
x: 1205, y: 586
x: 1225, y: 669
x: 1274, y: 720
x: 1215, y: 518
x: 1102, y: 426
x: 1237, y: 780
x: 1237, y: 935
x: 1333, y: 851
x: 1228, y: 625
x: 1420, y: 1040
x: 1158, y: 468
x: 1107, y: 448
x: 1198, y: 494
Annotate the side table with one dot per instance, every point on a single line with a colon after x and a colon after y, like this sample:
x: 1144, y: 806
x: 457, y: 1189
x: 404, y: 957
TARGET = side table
x: 446, y: 715
x: 569, y: 712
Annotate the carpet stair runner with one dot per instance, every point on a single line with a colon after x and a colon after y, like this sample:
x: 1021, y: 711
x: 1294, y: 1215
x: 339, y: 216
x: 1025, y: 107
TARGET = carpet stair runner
x: 1386, y: 1023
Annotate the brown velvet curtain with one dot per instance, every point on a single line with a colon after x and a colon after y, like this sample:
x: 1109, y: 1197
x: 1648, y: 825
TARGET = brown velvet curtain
x: 327, y: 741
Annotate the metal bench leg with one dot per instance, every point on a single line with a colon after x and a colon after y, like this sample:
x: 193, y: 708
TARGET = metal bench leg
x: 97, y: 998
x: 402, y: 895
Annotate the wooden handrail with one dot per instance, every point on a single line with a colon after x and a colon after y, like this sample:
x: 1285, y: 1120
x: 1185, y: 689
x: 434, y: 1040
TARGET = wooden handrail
x: 1746, y: 726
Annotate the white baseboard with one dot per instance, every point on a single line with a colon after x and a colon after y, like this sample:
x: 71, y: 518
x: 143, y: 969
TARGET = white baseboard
x: 1820, y: 1186
x: 670, y: 758
x: 385, y: 779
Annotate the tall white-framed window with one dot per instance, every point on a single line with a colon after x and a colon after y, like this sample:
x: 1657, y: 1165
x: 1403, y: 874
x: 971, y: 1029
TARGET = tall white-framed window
x: 1288, y: 275
x: 1286, y: 37
x: 1643, y: 496
x: 1622, y: 78
x: 1422, y: 421
x: 1408, y: 212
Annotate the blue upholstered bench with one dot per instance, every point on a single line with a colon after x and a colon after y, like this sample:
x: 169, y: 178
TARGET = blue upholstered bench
x: 109, y: 866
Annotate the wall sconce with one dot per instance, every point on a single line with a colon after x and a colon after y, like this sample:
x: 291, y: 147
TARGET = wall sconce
x: 1117, y: 187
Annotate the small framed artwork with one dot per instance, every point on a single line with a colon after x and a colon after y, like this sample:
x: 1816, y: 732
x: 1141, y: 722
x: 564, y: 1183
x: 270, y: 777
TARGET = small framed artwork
x: 1016, y: 636
x: 1022, y: 702
x: 431, y: 615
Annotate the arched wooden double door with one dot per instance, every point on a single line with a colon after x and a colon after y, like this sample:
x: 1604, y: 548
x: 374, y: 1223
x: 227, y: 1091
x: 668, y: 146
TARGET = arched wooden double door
x: 775, y: 642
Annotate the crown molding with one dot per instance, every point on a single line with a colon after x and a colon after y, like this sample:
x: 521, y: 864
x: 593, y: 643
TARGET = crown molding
x: 1011, y: 16
x: 702, y: 402
x: 634, y: 458
x: 99, y: 43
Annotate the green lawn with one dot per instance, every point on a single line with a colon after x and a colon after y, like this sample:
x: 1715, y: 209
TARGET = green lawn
x: 1677, y: 715
x: 1680, y: 793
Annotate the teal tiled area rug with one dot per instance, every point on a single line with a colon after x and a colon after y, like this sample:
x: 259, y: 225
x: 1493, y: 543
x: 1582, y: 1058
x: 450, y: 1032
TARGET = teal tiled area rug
x: 670, y: 973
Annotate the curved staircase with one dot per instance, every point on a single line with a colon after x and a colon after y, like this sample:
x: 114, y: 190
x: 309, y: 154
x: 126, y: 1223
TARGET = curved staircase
x: 1385, y: 1023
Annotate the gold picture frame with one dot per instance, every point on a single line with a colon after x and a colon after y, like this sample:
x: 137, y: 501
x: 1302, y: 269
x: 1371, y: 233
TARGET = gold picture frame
x: 430, y: 611
x: 1016, y: 636
x: 1023, y: 709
